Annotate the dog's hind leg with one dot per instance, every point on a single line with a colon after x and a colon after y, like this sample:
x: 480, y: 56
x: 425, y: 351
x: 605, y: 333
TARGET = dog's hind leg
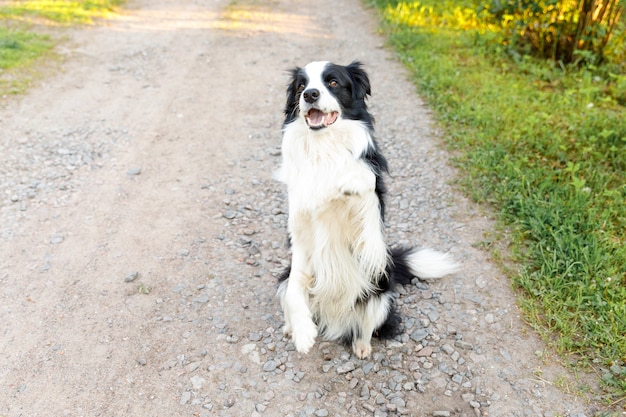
x: 372, y: 315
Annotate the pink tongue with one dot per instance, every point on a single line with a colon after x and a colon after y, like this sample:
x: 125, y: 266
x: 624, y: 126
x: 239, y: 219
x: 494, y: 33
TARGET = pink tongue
x: 316, y: 117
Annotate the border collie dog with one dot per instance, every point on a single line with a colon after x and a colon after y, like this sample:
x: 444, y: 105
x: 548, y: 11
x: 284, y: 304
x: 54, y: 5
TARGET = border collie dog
x: 342, y: 271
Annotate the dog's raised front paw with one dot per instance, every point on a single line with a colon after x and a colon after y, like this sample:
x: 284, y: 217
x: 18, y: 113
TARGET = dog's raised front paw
x: 357, y: 183
x: 303, y: 335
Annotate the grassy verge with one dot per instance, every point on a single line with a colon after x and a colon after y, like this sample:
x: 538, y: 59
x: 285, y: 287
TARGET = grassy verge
x: 546, y: 147
x: 18, y: 50
x: 21, y: 44
x: 58, y: 11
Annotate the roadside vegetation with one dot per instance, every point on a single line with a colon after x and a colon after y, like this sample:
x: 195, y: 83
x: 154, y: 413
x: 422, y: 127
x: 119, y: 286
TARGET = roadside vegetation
x: 532, y: 98
x: 22, y: 42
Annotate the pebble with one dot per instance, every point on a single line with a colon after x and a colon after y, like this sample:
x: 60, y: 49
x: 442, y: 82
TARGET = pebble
x: 184, y: 399
x: 463, y: 345
x: 131, y: 277
x: 134, y: 171
x: 269, y: 366
x: 345, y: 368
x: 197, y: 382
x: 419, y: 335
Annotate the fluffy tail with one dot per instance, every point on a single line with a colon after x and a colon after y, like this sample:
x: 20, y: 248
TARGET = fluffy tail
x: 409, y: 263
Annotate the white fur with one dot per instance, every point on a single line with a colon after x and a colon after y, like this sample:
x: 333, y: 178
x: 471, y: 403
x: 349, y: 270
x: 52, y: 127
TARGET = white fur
x: 333, y: 214
x: 430, y: 264
x: 336, y: 230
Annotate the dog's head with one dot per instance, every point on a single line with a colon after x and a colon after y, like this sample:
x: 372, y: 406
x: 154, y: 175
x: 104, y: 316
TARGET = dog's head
x: 322, y: 93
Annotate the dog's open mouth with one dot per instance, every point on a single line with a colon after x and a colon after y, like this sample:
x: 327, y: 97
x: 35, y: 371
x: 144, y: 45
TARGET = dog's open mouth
x: 317, y: 119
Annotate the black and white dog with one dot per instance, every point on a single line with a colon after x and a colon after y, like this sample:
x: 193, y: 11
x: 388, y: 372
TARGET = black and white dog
x: 342, y: 271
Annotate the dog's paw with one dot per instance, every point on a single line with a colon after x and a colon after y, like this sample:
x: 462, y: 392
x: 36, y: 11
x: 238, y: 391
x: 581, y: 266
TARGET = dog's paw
x: 304, y: 336
x: 287, y: 330
x: 355, y: 184
x: 362, y: 349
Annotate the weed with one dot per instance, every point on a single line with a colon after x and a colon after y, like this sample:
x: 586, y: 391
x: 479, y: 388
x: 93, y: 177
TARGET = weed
x: 144, y: 289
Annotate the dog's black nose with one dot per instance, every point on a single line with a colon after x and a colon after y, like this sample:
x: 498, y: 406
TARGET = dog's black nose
x: 311, y: 95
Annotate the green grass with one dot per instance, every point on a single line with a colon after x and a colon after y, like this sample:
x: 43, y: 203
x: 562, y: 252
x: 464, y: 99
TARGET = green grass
x: 18, y: 51
x: 545, y: 146
x: 21, y: 44
x: 59, y: 11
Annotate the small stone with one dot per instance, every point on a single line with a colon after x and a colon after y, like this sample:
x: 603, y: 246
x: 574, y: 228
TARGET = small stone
x: 369, y: 407
x: 270, y: 366
x: 192, y: 366
x: 197, y: 382
x: 230, y: 214
x: 321, y: 412
x: 184, y: 399
x: 398, y: 402
x: 463, y: 345
x: 419, y: 335
x: 367, y: 368
x: 425, y: 352
x: 131, y: 277
x: 134, y: 171
x: 441, y: 414
x: 142, y: 361
x: 346, y: 367
x: 353, y: 383
x: 56, y: 240
x: 255, y: 337
x: 447, y: 348
x: 467, y: 397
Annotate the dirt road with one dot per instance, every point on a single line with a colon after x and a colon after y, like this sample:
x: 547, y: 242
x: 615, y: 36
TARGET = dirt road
x: 140, y: 233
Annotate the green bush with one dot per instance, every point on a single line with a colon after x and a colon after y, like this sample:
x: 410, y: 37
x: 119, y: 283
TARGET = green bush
x: 570, y: 31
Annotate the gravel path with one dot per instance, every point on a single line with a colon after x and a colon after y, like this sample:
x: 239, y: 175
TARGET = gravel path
x: 141, y: 234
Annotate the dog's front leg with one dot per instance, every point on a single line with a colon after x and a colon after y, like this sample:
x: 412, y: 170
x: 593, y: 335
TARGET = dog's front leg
x: 358, y: 181
x: 298, y: 320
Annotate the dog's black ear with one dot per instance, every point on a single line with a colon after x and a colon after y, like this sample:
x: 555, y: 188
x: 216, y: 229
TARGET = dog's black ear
x: 360, y: 80
x: 291, y: 107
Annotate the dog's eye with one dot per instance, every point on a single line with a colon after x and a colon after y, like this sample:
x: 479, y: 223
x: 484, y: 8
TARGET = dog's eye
x: 333, y: 83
